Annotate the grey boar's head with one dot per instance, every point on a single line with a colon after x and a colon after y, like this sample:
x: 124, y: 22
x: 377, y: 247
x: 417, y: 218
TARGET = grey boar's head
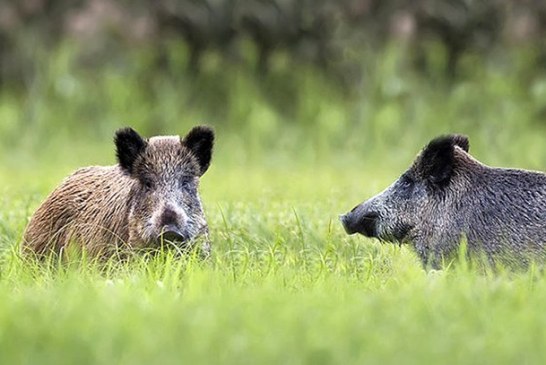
x: 412, y: 208
x: 164, y: 202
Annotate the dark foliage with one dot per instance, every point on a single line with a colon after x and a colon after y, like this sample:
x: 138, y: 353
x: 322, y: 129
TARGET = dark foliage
x: 318, y: 32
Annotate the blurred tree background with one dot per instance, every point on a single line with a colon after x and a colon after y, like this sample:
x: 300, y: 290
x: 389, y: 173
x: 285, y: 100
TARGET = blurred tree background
x: 301, y: 76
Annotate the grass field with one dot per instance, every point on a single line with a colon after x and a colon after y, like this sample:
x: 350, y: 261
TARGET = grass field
x: 284, y: 285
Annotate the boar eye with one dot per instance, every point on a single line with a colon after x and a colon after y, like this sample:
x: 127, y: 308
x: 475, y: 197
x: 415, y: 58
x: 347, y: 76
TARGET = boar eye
x: 186, y: 183
x: 406, y: 181
x: 148, y: 184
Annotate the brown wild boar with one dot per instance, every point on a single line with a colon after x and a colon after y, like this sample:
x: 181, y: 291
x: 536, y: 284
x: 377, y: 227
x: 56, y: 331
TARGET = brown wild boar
x: 150, y: 198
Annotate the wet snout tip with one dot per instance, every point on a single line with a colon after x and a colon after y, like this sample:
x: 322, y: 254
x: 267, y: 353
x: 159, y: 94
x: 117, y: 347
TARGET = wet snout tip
x: 346, y: 223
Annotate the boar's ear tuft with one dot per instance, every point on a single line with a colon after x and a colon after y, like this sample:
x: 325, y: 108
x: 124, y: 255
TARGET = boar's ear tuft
x: 129, y: 145
x: 200, y: 141
x: 437, y: 160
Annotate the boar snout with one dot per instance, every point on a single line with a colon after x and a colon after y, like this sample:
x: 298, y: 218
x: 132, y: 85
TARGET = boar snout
x: 172, y: 223
x: 360, y: 221
x: 169, y: 218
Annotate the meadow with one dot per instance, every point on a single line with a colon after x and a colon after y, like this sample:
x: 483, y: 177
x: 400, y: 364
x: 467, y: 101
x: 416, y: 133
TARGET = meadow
x: 284, y: 285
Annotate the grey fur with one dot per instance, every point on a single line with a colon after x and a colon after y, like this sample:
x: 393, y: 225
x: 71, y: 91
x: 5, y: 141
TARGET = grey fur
x: 447, y: 196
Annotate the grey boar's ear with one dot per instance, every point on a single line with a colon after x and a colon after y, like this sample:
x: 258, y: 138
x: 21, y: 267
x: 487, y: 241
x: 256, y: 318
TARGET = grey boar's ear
x: 200, y: 141
x: 460, y: 141
x: 437, y: 160
x: 129, y: 145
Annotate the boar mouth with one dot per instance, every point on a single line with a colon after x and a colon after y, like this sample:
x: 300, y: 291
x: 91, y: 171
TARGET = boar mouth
x: 173, y: 236
x: 368, y: 226
x: 180, y: 238
x: 400, y: 234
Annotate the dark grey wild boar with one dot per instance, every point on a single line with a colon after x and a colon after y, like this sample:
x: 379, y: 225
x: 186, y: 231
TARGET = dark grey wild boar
x: 447, y: 196
x: 149, y: 198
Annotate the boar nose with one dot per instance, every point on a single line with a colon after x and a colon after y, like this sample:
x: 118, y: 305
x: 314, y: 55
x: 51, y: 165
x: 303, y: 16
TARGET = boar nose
x: 346, y: 222
x: 168, y: 218
x: 365, y: 224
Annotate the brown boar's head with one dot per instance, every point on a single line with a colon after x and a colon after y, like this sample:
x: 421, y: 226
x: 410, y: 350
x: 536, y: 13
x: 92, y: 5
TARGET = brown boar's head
x: 164, y: 203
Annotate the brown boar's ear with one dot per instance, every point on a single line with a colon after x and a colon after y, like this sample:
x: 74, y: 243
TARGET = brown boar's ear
x: 200, y: 141
x: 129, y: 145
x: 437, y: 161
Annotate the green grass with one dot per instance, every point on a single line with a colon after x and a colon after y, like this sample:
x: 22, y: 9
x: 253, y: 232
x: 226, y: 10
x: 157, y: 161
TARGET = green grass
x: 284, y: 285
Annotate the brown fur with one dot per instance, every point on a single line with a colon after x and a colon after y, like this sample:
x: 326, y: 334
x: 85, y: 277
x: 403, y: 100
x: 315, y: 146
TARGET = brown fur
x: 89, y: 207
x: 150, y: 195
